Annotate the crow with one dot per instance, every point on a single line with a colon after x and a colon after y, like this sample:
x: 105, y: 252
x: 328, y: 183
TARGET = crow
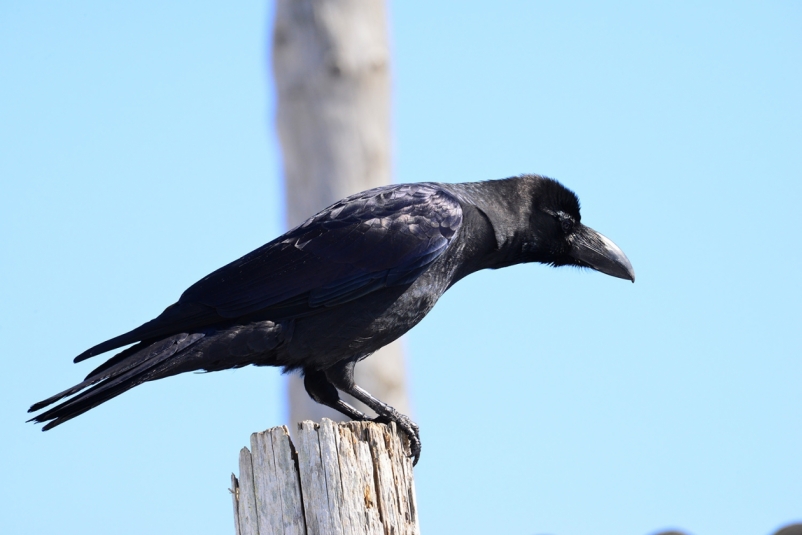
x: 349, y: 280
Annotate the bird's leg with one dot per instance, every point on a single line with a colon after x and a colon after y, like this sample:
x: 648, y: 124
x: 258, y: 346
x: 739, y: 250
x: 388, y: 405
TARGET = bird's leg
x: 341, y: 375
x: 322, y: 391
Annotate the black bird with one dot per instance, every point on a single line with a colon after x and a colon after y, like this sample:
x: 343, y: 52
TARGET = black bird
x: 346, y: 282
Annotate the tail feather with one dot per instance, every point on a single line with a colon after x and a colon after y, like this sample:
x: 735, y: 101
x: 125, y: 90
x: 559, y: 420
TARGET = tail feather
x: 175, y: 318
x: 141, y: 353
x: 90, y: 379
x: 86, y: 401
x: 61, y: 395
x: 122, y: 356
x: 137, y: 365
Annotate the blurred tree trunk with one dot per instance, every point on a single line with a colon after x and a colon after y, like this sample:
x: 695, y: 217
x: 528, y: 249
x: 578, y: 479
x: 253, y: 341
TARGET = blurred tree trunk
x: 331, y: 67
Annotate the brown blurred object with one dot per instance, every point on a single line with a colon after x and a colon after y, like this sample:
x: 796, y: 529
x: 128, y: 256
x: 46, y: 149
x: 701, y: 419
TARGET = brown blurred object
x: 331, y: 69
x: 790, y: 529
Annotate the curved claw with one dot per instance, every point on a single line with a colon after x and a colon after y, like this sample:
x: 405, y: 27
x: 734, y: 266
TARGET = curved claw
x: 410, y: 428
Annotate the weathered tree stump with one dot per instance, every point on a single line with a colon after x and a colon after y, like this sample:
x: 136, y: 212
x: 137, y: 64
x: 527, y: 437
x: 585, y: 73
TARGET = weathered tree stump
x: 350, y: 478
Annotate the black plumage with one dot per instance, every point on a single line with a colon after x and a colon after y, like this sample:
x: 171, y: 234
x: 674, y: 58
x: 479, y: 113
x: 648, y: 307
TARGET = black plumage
x: 346, y: 282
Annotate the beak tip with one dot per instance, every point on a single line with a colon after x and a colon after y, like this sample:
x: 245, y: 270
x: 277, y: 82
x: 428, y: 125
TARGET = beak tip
x: 601, y: 254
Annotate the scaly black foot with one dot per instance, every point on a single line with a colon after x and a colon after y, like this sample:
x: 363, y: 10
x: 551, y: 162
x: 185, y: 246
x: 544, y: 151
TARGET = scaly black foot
x: 341, y: 376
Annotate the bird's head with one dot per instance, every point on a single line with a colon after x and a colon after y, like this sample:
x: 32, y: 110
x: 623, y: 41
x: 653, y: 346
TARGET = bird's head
x: 560, y: 238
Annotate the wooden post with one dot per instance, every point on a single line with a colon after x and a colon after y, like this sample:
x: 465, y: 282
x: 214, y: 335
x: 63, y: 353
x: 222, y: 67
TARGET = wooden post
x: 350, y: 478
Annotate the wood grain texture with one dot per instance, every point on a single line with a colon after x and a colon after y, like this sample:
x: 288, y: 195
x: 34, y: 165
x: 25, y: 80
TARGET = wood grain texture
x: 319, y: 516
x: 288, y: 481
x: 246, y: 509
x: 265, y: 483
x: 352, y: 478
x: 327, y: 437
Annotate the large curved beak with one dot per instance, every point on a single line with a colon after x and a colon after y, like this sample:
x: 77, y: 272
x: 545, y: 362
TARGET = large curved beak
x: 595, y: 250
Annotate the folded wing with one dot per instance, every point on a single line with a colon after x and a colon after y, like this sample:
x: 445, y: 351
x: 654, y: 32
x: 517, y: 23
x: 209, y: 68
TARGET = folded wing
x: 378, y: 238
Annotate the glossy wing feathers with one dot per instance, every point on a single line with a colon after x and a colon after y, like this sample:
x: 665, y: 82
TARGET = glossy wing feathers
x: 353, y: 242
x: 382, y: 237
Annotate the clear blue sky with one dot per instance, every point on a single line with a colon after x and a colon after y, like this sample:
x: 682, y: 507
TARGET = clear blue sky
x: 137, y: 155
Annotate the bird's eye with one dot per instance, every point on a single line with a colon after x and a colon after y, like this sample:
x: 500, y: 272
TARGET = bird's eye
x: 567, y: 224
